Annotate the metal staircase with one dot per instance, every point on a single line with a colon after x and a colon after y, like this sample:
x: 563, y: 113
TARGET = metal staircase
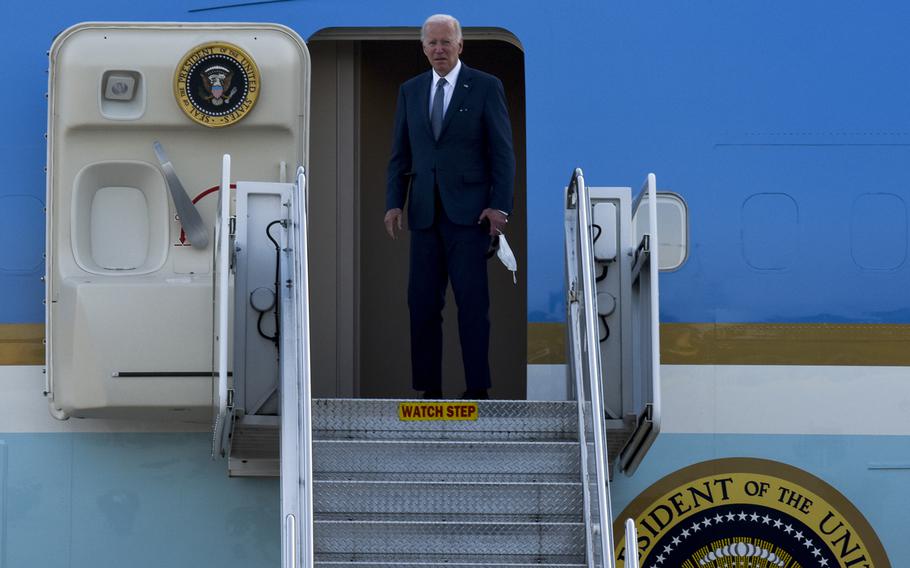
x: 503, y: 490
x: 524, y: 484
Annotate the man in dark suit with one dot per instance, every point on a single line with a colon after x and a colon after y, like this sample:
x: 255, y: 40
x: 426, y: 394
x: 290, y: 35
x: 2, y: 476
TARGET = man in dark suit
x: 452, y: 161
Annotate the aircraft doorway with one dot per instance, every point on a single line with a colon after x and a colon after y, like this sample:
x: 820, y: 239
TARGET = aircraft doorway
x: 358, y: 275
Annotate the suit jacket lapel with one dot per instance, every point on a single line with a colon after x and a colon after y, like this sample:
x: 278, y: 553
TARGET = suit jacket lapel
x: 423, y: 101
x: 462, y: 87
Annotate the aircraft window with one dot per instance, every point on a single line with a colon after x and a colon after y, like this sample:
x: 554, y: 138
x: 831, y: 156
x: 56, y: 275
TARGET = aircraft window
x: 770, y: 231
x: 878, y: 231
x: 673, y: 229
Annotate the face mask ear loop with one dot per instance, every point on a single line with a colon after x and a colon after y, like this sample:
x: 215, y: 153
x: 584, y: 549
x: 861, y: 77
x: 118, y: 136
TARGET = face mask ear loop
x: 507, y: 257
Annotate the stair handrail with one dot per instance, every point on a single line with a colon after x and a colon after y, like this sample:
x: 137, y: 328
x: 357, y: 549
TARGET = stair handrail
x: 306, y: 403
x: 581, y: 294
x: 296, y: 397
x: 631, y: 549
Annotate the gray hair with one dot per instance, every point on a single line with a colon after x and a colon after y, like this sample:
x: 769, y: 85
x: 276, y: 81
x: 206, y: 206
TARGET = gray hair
x: 440, y: 19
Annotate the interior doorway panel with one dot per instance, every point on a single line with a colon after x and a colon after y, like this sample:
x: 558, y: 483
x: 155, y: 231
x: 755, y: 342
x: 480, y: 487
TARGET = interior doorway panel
x: 334, y: 224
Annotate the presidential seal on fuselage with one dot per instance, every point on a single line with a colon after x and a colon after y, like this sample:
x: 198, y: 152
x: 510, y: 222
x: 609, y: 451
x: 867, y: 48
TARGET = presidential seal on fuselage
x: 216, y: 84
x: 748, y: 513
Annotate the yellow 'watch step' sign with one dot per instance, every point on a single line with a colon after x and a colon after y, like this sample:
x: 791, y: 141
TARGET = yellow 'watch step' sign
x: 437, y: 411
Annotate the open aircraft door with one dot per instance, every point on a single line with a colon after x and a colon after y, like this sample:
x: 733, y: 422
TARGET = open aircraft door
x: 139, y: 117
x: 612, y: 266
x: 148, y: 316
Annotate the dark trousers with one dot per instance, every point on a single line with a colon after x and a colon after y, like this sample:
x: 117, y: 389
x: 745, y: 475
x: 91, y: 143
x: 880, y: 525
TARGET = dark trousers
x: 442, y: 253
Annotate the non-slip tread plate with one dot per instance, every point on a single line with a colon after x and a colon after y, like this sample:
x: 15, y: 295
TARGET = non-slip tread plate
x: 503, y: 419
x: 447, y: 563
x: 340, y: 456
x: 531, y: 539
x: 438, y: 499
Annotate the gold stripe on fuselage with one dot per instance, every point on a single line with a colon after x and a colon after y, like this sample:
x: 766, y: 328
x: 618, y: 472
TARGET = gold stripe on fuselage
x: 754, y: 344
x: 22, y: 344
x: 681, y: 344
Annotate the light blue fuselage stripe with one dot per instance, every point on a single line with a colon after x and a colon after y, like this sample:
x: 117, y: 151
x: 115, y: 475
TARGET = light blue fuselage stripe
x: 139, y: 500
x: 151, y: 500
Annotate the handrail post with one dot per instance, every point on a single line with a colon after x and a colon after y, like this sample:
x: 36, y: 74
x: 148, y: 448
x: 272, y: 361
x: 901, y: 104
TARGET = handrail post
x: 631, y: 549
x: 296, y: 407
x: 581, y: 288
x: 306, y: 406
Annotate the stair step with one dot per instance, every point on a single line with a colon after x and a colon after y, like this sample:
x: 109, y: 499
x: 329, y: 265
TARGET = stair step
x: 463, y: 477
x: 509, y: 501
x: 464, y: 561
x: 499, y: 518
x: 349, y: 460
x: 255, y: 439
x: 496, y: 420
x: 254, y: 450
x: 502, y: 540
x: 444, y: 457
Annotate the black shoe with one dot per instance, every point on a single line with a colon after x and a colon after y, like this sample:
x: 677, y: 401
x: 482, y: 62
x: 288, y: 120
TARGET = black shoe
x: 432, y: 394
x: 475, y: 394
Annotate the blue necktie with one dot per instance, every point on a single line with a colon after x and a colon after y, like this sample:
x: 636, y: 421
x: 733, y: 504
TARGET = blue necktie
x: 436, y: 113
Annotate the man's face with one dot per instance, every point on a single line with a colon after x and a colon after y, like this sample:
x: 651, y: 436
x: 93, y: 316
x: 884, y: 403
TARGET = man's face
x: 441, y: 47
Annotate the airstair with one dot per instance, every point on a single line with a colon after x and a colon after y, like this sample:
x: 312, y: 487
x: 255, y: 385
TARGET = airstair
x: 503, y: 490
x: 520, y: 484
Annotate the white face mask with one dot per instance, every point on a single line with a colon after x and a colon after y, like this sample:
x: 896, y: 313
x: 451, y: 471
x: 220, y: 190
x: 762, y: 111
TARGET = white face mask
x: 504, y: 252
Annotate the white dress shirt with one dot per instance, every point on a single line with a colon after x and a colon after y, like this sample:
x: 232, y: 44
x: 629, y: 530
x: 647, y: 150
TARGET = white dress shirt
x: 448, y: 89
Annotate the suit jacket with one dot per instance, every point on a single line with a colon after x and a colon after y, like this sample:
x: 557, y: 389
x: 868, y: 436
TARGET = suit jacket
x: 472, y: 162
